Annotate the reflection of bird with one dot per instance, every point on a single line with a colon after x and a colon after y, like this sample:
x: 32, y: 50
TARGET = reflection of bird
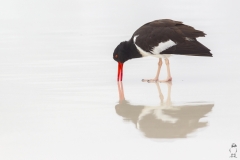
x: 168, y: 120
x: 233, y: 150
x: 160, y: 39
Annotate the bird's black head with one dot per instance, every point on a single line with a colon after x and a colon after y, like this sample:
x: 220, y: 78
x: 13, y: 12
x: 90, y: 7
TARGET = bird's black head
x: 121, y: 52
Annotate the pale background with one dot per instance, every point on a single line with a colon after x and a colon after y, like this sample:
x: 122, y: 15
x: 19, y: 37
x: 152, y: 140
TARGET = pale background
x: 58, y: 88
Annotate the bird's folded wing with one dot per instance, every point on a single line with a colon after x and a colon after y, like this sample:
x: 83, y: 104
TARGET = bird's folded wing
x: 152, y: 34
x: 149, y: 37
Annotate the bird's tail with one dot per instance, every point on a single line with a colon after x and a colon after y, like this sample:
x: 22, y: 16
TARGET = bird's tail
x: 189, y: 48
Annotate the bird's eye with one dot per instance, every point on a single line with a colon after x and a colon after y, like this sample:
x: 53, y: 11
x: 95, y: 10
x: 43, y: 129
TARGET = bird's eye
x: 116, y: 56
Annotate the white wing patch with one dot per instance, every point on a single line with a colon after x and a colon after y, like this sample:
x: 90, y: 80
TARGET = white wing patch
x: 189, y: 39
x: 162, y: 46
x: 156, y: 50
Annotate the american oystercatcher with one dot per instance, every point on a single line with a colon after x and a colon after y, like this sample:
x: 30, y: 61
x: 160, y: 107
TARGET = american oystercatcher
x: 161, y: 39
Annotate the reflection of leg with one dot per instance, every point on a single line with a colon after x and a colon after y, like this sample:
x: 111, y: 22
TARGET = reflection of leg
x: 160, y: 92
x: 158, y: 72
x: 169, y: 102
x: 120, y: 91
x: 169, y: 77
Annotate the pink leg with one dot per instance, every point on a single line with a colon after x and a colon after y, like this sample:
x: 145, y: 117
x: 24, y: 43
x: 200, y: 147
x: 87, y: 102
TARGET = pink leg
x: 169, y: 77
x: 157, y: 75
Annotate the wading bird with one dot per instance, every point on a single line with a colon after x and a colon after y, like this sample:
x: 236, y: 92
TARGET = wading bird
x: 161, y: 39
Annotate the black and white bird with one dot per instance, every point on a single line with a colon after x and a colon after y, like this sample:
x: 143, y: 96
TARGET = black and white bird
x: 160, y: 39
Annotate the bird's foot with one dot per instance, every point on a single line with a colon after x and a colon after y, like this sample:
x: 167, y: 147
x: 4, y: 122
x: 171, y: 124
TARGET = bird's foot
x: 169, y: 79
x: 150, y: 80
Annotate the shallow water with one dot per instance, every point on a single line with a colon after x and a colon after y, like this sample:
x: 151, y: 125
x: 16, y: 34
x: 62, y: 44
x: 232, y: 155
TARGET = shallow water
x: 60, y: 98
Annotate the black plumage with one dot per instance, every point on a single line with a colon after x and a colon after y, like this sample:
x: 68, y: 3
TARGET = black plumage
x: 152, y: 33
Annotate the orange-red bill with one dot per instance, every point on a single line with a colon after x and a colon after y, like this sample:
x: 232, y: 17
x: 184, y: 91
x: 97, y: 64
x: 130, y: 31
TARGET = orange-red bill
x: 120, y: 71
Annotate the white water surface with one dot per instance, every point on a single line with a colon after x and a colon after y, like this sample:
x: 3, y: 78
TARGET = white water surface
x: 59, y: 97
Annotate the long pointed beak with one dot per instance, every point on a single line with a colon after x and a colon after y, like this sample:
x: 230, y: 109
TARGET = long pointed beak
x: 120, y: 71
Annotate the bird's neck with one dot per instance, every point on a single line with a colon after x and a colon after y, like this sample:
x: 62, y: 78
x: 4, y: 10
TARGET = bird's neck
x: 132, y: 50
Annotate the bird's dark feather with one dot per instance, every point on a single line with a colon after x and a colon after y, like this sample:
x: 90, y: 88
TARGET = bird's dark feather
x: 152, y: 33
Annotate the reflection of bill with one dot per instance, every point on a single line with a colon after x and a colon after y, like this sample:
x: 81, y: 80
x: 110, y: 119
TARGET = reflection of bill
x: 168, y: 120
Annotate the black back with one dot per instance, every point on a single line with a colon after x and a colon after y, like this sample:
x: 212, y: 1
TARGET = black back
x: 152, y: 33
